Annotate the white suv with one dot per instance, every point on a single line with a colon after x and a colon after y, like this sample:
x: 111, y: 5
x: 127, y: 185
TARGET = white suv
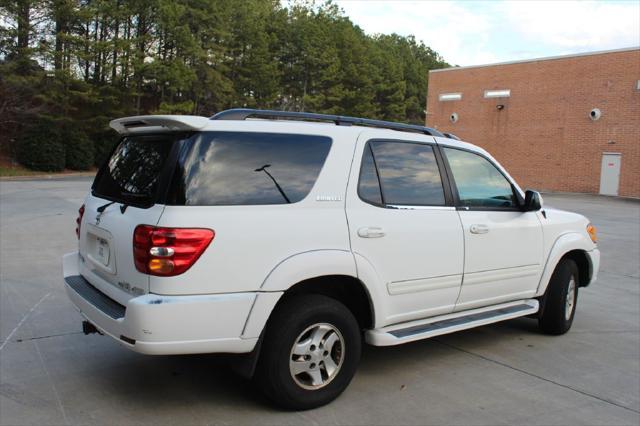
x: 290, y: 237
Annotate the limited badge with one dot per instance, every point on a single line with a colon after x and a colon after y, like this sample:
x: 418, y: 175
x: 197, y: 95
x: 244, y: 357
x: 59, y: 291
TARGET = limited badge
x: 328, y: 198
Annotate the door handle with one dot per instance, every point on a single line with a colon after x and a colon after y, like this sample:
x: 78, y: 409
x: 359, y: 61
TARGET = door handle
x: 479, y: 229
x: 371, y: 232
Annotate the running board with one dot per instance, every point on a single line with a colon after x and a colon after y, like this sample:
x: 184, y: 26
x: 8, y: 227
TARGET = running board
x: 450, y: 323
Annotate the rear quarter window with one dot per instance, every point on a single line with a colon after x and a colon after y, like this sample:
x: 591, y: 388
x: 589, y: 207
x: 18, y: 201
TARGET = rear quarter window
x: 241, y: 168
x: 135, y: 169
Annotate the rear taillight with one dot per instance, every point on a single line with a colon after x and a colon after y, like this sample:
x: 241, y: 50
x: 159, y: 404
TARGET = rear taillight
x: 79, y: 220
x: 168, y: 251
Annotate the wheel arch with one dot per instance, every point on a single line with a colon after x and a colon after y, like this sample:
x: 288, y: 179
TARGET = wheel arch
x: 346, y: 289
x: 568, y: 246
x: 585, y: 270
x: 332, y: 273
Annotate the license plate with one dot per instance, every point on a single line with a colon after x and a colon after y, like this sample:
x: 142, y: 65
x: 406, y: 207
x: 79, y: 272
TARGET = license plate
x: 102, y: 251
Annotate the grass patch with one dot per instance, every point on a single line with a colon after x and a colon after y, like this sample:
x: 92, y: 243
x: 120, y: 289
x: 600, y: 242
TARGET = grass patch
x: 18, y: 171
x: 14, y: 170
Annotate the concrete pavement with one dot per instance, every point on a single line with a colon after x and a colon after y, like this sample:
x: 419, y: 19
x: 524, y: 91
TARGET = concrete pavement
x: 50, y: 373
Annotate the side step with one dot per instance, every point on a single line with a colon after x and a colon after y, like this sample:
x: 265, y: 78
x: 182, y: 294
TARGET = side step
x: 450, y: 323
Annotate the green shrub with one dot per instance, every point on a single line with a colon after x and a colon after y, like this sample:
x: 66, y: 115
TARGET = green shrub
x: 40, y: 147
x: 79, y: 148
x: 103, y: 143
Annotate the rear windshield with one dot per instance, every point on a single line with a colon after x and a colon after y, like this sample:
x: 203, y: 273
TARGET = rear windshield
x: 133, y: 173
x: 238, y: 168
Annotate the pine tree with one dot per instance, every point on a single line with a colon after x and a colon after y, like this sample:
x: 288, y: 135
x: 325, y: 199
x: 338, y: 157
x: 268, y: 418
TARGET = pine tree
x: 80, y: 63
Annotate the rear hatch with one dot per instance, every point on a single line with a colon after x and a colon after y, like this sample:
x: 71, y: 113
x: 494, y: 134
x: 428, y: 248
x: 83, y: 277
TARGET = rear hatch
x: 249, y: 187
x: 123, y: 196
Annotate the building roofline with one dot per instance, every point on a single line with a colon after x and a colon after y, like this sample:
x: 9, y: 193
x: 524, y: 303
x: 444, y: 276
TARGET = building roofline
x: 548, y: 58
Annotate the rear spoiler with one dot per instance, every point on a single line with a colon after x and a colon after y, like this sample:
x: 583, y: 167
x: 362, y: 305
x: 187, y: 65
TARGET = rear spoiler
x: 155, y: 123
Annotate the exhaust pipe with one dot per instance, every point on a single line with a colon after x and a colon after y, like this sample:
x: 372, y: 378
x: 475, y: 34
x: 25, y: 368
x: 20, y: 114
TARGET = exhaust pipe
x: 88, y: 328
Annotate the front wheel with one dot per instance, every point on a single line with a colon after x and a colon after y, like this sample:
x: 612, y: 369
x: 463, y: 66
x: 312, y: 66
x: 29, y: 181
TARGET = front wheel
x: 310, y: 352
x: 561, y: 299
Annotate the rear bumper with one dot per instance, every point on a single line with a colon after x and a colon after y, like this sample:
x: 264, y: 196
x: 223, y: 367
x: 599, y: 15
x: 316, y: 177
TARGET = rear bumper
x: 165, y: 325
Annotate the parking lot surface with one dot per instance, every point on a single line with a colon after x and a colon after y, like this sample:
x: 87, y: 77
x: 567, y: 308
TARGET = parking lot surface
x: 50, y: 373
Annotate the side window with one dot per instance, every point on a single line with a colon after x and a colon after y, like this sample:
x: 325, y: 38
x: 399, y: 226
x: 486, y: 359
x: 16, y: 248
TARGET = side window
x: 408, y: 174
x: 479, y: 182
x: 237, y: 168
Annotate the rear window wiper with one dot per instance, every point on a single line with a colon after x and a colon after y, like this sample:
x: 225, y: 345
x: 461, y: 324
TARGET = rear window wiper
x: 104, y: 207
x: 127, y: 194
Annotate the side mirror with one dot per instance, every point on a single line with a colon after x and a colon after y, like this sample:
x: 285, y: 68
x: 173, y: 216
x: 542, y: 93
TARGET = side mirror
x: 532, y: 201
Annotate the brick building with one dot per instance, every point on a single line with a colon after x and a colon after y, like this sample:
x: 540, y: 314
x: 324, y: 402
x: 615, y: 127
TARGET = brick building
x: 569, y: 123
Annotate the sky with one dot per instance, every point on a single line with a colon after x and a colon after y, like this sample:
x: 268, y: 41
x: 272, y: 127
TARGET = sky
x: 468, y: 32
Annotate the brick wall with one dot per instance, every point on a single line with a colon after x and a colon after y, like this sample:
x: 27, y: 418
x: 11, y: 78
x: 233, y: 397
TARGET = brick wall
x: 544, y: 135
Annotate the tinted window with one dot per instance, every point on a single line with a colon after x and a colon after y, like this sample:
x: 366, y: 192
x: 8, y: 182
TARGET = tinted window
x: 368, y: 185
x: 408, y: 172
x: 231, y: 168
x: 132, y: 173
x: 479, y: 182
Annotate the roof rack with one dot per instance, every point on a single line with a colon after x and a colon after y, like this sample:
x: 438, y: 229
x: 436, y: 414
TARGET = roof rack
x: 451, y: 136
x: 339, y: 120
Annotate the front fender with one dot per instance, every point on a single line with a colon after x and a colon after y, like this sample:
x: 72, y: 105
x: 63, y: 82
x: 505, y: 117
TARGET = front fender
x: 563, y: 244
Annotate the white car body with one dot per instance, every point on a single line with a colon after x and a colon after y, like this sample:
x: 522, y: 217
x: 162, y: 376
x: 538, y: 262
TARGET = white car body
x: 417, y: 264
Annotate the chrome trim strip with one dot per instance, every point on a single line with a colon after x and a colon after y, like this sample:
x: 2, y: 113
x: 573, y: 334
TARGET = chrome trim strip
x: 403, y: 207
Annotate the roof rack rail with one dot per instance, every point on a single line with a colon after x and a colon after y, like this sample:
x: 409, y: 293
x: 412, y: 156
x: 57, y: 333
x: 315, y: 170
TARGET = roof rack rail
x: 339, y: 120
x: 451, y: 136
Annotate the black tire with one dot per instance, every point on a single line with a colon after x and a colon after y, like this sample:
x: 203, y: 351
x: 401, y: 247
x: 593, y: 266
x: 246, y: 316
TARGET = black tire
x: 553, y: 318
x: 291, y: 318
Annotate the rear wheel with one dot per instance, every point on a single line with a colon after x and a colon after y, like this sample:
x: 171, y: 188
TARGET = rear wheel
x: 560, y: 301
x: 310, y: 352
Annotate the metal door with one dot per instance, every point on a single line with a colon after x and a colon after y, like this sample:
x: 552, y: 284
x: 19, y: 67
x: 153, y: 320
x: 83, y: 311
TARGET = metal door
x: 417, y: 250
x: 610, y: 173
